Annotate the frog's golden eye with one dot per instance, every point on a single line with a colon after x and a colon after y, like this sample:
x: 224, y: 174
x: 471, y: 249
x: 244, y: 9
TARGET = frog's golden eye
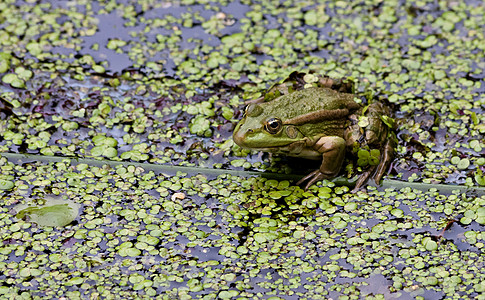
x: 273, y: 125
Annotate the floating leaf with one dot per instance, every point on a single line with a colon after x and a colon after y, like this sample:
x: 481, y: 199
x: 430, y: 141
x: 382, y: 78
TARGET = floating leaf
x: 4, y: 62
x: 429, y: 244
x: 55, y: 212
x: 479, y: 178
x: 6, y: 185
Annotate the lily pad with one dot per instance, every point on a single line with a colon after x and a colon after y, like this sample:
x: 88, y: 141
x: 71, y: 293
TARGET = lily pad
x: 6, y: 184
x: 55, y: 212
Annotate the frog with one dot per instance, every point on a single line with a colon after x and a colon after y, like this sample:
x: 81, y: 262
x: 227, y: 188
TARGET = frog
x: 319, y: 122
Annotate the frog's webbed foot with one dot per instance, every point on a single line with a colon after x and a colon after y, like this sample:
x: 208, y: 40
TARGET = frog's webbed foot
x: 312, y: 178
x: 379, y: 170
x: 363, y: 179
x: 386, y: 158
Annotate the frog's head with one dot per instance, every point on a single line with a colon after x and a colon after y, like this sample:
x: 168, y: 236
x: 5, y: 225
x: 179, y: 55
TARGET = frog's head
x: 260, y: 131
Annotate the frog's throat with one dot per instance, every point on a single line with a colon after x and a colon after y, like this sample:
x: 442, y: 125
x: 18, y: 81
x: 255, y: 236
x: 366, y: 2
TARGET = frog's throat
x: 301, y: 152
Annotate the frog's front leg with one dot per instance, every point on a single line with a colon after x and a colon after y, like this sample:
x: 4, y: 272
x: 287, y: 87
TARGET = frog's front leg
x: 333, y: 154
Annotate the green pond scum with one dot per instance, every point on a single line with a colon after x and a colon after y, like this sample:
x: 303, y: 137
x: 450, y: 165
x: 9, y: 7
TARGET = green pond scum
x: 145, y: 234
x: 135, y: 189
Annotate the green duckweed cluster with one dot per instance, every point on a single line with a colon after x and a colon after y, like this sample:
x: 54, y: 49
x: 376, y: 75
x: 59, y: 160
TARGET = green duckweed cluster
x: 164, y: 83
x: 146, y: 234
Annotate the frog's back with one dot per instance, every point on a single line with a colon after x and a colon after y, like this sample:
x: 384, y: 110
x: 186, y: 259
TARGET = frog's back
x: 311, y: 100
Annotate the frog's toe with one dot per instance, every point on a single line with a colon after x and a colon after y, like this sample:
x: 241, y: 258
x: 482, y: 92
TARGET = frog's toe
x: 362, y: 179
x: 312, y: 178
x: 386, y: 159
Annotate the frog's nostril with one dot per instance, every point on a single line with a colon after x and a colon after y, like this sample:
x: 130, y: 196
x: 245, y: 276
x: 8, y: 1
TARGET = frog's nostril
x: 250, y: 131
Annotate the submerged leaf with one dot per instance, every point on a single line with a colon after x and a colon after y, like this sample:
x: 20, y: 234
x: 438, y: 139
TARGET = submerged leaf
x: 53, y: 213
x: 6, y: 185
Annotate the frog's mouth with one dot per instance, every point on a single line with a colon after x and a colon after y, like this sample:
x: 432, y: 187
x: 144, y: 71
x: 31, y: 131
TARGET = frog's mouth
x: 258, y: 140
x: 248, y: 144
x: 279, y: 149
x: 263, y: 140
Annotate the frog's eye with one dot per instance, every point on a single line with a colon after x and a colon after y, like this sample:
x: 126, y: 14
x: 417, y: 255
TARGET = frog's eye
x: 273, y: 125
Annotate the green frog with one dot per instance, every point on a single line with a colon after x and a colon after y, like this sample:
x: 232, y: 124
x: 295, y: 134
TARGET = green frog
x: 322, y: 123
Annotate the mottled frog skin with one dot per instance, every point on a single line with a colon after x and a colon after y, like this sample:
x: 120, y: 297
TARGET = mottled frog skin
x: 320, y: 123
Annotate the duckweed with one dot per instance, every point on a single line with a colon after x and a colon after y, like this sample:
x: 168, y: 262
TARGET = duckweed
x: 167, y: 86
x: 152, y: 229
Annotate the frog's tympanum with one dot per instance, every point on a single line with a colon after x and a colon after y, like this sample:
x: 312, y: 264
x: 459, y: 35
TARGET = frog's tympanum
x: 319, y: 120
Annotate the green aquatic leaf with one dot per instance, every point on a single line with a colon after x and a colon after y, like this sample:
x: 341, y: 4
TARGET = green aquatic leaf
x: 6, y: 184
x: 390, y: 122
x: 479, y: 178
x: 53, y: 213
x: 4, y: 62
